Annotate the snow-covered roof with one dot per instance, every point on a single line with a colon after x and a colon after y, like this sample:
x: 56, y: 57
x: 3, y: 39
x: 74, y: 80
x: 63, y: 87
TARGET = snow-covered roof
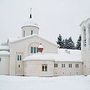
x: 13, y: 40
x: 4, y: 53
x: 30, y: 22
x: 63, y: 55
x: 39, y: 56
x: 4, y: 47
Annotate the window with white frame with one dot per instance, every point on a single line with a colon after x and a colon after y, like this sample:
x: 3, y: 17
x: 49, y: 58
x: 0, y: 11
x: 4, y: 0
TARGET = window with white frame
x: 44, y: 67
x: 77, y: 65
x: 55, y: 65
x: 19, y: 57
x: 70, y: 65
x: 63, y: 65
x: 34, y: 49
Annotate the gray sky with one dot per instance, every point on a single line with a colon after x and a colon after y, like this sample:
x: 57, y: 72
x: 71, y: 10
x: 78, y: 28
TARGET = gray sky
x: 53, y: 17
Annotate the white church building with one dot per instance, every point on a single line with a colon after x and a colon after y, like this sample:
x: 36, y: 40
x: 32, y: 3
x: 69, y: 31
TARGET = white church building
x: 32, y: 55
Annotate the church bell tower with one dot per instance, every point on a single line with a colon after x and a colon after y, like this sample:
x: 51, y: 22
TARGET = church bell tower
x: 30, y: 27
x: 85, y: 46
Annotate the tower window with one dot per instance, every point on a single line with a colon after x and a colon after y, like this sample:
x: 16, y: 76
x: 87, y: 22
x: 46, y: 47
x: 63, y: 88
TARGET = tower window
x: 44, y: 67
x: 31, y: 32
x: 23, y: 33
x: 84, y: 36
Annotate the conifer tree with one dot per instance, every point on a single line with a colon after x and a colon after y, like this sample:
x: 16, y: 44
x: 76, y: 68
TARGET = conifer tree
x: 69, y: 44
x: 60, y: 41
x: 78, y: 45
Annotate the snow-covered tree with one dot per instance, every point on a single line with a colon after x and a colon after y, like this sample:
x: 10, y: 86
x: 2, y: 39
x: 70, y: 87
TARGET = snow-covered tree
x: 60, y: 41
x: 78, y: 45
x: 65, y: 43
x: 69, y: 44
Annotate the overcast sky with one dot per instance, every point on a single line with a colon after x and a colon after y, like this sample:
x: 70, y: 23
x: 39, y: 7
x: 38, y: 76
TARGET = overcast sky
x: 53, y: 16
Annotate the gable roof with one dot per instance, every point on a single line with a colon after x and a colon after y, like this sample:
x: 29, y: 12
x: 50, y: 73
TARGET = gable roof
x: 27, y: 37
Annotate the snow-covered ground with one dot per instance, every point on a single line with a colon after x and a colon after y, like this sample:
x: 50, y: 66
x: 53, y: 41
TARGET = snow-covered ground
x: 45, y: 83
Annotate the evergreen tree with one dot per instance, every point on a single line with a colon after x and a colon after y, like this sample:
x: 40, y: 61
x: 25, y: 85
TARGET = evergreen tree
x: 66, y: 43
x: 78, y: 45
x: 60, y: 41
x: 69, y: 44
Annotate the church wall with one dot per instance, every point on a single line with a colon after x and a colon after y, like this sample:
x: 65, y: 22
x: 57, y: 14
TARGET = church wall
x: 85, y: 50
x: 22, y: 47
x: 48, y: 47
x: 4, y: 65
x: 86, y: 62
x: 64, y: 71
x: 34, y: 68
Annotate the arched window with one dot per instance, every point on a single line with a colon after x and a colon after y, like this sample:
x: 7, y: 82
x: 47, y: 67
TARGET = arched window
x: 33, y: 47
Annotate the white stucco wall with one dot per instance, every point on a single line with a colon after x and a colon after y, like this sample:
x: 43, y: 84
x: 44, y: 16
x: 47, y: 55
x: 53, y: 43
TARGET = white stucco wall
x: 4, y: 65
x: 19, y: 68
x: 34, y: 68
x: 86, y: 62
x: 86, y: 49
x: 22, y: 46
x: 66, y: 71
x: 27, y: 30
